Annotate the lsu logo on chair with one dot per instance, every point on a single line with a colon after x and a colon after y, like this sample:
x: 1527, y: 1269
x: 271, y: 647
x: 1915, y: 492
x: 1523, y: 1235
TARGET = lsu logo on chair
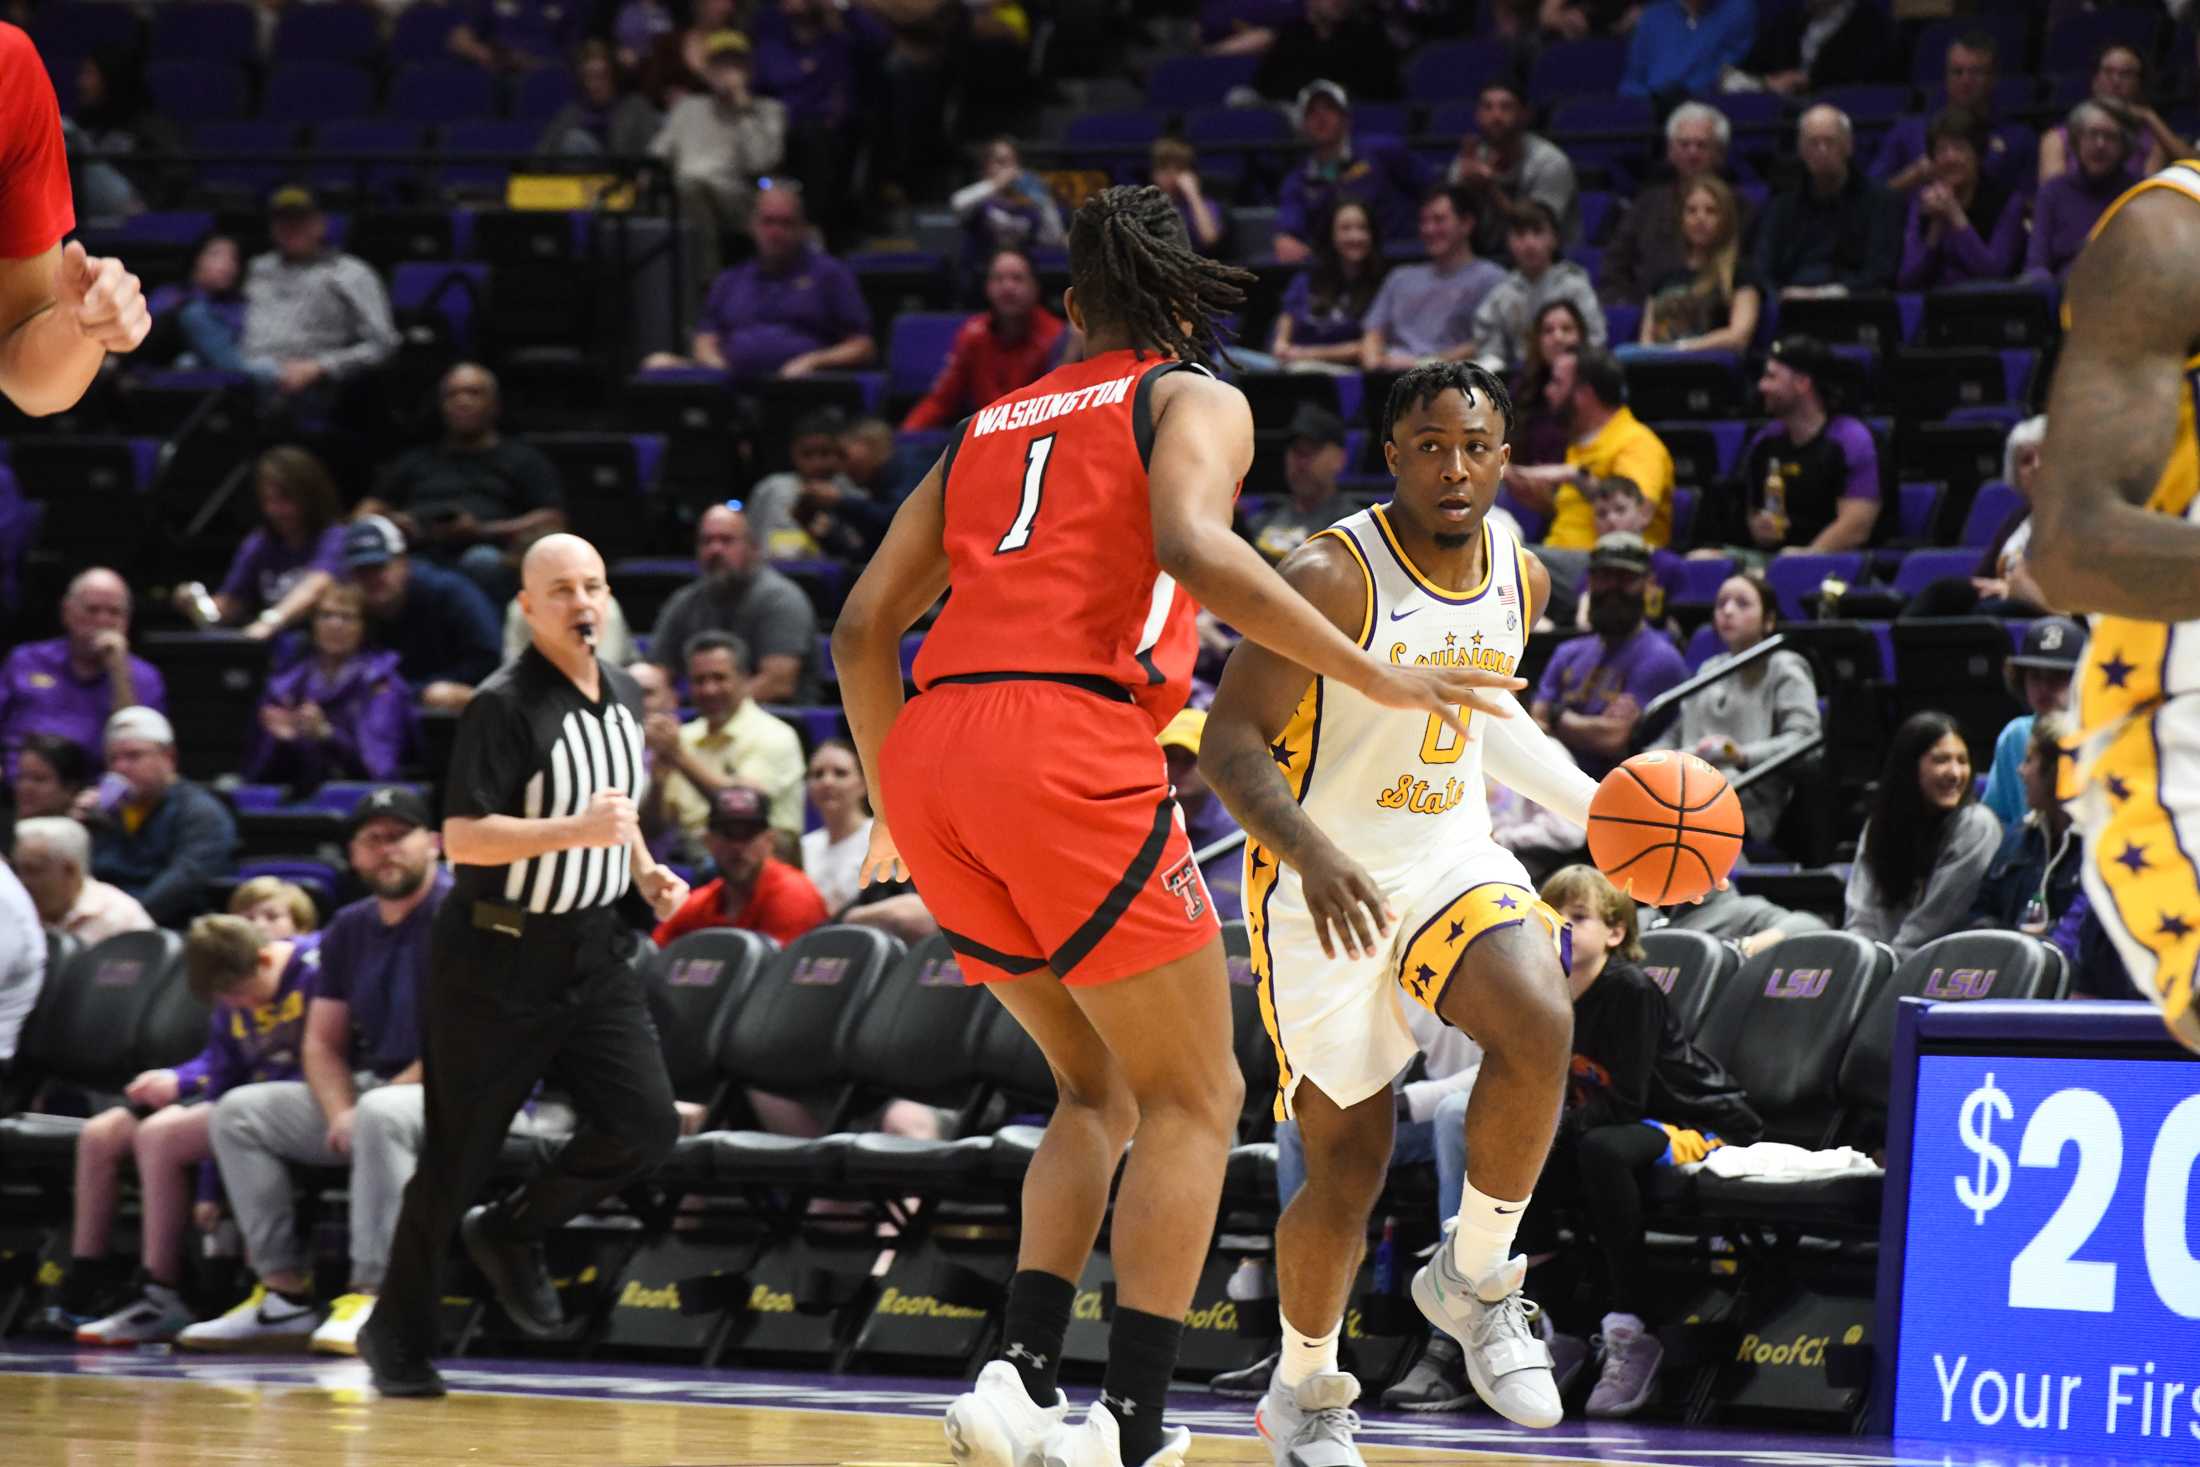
x: 1960, y: 984
x: 1797, y: 982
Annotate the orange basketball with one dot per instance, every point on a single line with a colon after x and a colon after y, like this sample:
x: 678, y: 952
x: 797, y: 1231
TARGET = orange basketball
x: 1665, y: 827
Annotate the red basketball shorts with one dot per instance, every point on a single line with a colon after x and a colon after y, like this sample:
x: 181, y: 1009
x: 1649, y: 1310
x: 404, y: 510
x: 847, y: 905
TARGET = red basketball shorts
x: 1036, y: 822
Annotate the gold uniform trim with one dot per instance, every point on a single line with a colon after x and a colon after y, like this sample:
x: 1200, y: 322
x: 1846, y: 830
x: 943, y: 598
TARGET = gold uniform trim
x: 1294, y: 752
x: 1432, y: 955
x: 2150, y: 877
x: 1441, y: 593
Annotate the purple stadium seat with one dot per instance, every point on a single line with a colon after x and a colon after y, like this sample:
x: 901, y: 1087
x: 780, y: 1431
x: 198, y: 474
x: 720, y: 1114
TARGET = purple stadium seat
x: 243, y: 138
x: 542, y: 94
x: 1599, y: 209
x: 1112, y: 129
x: 1237, y: 125
x: 1532, y: 522
x: 1622, y: 322
x: 1452, y: 69
x: 1869, y: 104
x: 367, y: 135
x: 257, y: 797
x: 2017, y: 366
x: 1993, y: 504
x: 1181, y: 83
x: 327, y: 33
x: 1585, y: 68
x: 917, y: 348
x: 317, y: 91
x: 1795, y: 579
x: 64, y: 33
x: 456, y: 289
x: 189, y: 91
x: 1917, y: 506
x: 1381, y: 120
x: 205, y: 32
x: 1702, y: 647
x: 342, y: 796
x: 1694, y: 582
x: 1753, y: 109
x: 1598, y: 115
x: 816, y: 725
x: 422, y: 33
x: 1920, y: 568
x: 1685, y: 503
x: 1451, y: 119
x: 442, y: 91
x: 483, y: 135
x: 167, y: 227
x: 319, y: 878
x: 2074, y: 41
x: 2012, y: 94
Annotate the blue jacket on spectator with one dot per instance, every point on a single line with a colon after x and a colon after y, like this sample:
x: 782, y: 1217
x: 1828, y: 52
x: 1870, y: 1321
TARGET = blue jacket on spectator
x: 2031, y: 863
x: 445, y: 632
x: 1673, y: 52
x: 187, y: 840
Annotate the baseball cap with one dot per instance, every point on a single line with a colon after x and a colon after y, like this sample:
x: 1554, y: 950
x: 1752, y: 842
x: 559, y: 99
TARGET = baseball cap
x: 1809, y: 356
x: 389, y: 802
x: 1622, y: 550
x: 140, y: 722
x: 293, y: 198
x: 1324, y: 88
x: 372, y: 541
x: 738, y: 812
x: 722, y: 44
x: 2054, y: 643
x: 1184, y: 730
x: 1311, y: 420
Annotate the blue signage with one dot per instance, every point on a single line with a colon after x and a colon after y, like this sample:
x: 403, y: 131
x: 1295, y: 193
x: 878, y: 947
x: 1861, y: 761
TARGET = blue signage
x: 2050, y: 1292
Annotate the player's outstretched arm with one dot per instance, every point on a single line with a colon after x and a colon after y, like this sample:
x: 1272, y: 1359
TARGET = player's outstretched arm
x: 1518, y: 754
x: 906, y: 575
x: 1203, y: 444
x: 2134, y: 302
x: 1260, y: 690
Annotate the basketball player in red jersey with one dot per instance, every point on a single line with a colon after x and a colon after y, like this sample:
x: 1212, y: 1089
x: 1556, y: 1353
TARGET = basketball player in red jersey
x: 61, y: 311
x: 1074, y: 521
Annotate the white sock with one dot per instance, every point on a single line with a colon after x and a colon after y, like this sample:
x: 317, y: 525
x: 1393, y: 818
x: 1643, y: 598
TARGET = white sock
x: 1484, y: 1238
x: 1622, y: 1324
x: 1305, y: 1355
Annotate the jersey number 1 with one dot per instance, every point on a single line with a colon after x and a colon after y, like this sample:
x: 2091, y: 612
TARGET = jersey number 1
x: 1035, y: 478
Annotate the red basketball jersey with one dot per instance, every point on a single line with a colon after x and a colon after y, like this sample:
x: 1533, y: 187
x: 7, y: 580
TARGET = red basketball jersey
x: 1050, y: 541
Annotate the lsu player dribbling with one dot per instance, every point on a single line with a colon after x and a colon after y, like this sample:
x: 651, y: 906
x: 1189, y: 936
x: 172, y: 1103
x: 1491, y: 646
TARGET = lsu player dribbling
x: 1370, y: 866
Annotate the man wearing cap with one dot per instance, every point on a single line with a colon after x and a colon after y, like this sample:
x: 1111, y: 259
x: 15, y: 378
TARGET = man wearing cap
x: 358, y: 1103
x: 158, y: 837
x: 1310, y: 468
x: 1206, y: 820
x: 755, y: 890
x: 441, y: 627
x: 1333, y: 173
x: 531, y: 971
x: 718, y: 143
x: 2039, y: 674
x: 313, y: 316
x: 1595, y: 688
x: 1809, y: 480
x: 72, y: 683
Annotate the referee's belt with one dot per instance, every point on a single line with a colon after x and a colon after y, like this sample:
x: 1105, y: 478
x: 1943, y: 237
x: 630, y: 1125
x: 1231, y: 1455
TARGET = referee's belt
x: 502, y: 920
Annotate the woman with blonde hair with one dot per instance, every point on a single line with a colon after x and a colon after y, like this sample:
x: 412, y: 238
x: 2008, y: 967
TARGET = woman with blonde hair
x: 1711, y: 303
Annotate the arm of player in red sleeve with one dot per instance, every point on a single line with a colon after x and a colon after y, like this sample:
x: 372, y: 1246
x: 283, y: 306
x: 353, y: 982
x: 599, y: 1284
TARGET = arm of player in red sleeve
x: 906, y: 575
x: 61, y: 313
x: 1202, y: 446
x: 2134, y: 304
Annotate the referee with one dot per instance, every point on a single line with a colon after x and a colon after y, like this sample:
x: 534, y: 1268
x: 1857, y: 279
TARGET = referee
x: 528, y: 969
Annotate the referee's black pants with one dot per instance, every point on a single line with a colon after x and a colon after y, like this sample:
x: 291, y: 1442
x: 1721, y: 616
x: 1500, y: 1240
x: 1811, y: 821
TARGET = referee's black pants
x: 561, y: 1003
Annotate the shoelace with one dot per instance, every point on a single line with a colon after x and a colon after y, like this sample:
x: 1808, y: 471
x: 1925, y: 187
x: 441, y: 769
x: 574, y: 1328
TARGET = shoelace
x: 1330, y: 1421
x: 1615, y: 1363
x: 1509, y: 1317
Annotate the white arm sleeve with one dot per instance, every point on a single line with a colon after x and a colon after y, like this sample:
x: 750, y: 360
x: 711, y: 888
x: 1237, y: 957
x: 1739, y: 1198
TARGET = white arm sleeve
x: 1518, y: 754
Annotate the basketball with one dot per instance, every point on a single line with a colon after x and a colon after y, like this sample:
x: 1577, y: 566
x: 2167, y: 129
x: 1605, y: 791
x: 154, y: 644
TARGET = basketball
x: 1665, y: 827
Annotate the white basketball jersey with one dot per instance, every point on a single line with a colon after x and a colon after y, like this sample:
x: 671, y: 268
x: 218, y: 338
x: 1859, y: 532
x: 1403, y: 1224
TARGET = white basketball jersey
x: 1400, y: 792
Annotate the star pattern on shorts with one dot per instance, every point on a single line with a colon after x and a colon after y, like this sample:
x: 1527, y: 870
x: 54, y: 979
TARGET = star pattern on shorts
x: 2117, y: 671
x: 1423, y: 976
x: 1259, y: 863
x: 1458, y: 931
x: 2134, y: 857
x: 2174, y: 926
x: 2117, y: 788
x: 1281, y: 753
x: 1506, y: 903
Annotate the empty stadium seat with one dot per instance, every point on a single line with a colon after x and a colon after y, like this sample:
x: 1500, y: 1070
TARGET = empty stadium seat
x: 210, y: 677
x: 917, y: 345
x: 1586, y: 68
x: 1933, y: 382
x: 442, y: 91
x: 1953, y: 665
x: 1991, y: 316
x: 222, y: 32
x: 606, y: 501
x: 1993, y: 504
x: 695, y: 989
x: 1955, y: 969
x: 317, y: 91
x: 1960, y: 455
x: 1689, y: 968
x: 1781, y: 1026
x: 1177, y: 83
x: 190, y: 90
x: 326, y: 33
x: 1445, y: 70
x: 1869, y: 318
x: 1796, y: 578
x: 1702, y: 384
x: 918, y: 1038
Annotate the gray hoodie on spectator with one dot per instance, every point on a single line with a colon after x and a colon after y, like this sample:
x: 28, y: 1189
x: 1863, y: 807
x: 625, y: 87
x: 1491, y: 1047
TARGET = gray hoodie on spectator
x: 1945, y: 904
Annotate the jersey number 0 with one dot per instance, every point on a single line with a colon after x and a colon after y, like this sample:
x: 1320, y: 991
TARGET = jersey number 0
x: 1439, y: 745
x: 1035, y: 477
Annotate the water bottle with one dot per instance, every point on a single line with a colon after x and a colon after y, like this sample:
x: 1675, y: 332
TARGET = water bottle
x: 1386, y: 1258
x: 1776, y: 500
x: 199, y: 605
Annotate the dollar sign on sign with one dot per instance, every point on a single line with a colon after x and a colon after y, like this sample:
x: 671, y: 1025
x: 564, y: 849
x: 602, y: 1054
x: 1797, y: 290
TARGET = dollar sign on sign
x: 1977, y: 1123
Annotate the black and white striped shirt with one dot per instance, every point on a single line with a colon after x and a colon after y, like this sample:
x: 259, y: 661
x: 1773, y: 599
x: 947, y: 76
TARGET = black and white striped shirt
x: 530, y: 745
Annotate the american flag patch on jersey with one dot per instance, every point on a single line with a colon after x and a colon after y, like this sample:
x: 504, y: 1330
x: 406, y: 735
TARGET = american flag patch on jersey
x: 1506, y: 596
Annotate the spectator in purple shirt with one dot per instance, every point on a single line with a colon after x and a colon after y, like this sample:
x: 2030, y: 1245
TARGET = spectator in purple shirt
x: 2120, y: 85
x: 342, y: 713
x: 792, y: 311
x: 1009, y: 208
x: 71, y: 684
x: 283, y: 566
x: 1324, y: 310
x: 1962, y: 226
x: 1809, y: 480
x: 1382, y: 179
x: 2070, y: 203
x: 1904, y: 160
x: 258, y: 986
x: 1595, y: 688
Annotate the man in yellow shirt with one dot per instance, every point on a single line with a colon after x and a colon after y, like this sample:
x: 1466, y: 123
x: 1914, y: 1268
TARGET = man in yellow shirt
x: 1608, y: 442
x: 731, y: 741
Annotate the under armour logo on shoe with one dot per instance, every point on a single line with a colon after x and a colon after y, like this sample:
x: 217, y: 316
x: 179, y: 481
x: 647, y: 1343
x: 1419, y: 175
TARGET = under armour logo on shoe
x: 1032, y: 1358
x: 1119, y: 1406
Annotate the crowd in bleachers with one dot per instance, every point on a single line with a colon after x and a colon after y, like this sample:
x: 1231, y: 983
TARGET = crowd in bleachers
x: 1774, y: 286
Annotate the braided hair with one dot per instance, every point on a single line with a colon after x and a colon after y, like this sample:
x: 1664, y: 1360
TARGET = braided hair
x: 1419, y: 386
x: 1132, y: 265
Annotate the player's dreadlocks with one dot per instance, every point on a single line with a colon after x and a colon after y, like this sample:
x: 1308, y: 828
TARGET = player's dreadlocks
x: 1132, y: 264
x: 1419, y: 386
